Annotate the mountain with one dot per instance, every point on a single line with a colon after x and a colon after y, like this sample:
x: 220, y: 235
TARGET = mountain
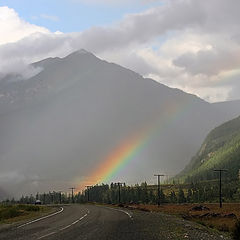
x: 220, y: 150
x: 59, y: 125
x: 228, y: 107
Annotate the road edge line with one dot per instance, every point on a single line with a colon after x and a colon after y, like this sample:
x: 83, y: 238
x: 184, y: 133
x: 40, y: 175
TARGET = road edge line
x: 66, y: 227
x: 121, y: 210
x: 41, y: 218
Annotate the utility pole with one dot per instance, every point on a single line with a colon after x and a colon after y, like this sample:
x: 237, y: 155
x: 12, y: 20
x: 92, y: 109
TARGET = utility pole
x: 52, y: 199
x: 119, y: 192
x: 220, y: 184
x: 159, y: 176
x: 60, y: 197
x: 88, y: 192
x: 72, y: 188
x: 44, y: 198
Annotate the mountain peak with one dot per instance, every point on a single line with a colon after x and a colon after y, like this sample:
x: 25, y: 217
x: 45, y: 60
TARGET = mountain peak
x: 79, y: 53
x: 82, y: 51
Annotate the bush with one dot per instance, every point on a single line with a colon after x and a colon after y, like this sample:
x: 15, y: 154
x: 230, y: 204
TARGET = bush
x: 224, y: 228
x: 236, y: 231
x: 9, y: 212
x: 28, y: 208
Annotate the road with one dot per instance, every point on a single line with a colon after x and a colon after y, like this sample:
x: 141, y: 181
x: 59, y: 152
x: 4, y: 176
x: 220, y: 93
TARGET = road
x: 89, y: 222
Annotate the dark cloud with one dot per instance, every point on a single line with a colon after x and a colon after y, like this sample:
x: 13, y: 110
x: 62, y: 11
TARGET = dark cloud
x: 209, y: 62
x: 214, y: 25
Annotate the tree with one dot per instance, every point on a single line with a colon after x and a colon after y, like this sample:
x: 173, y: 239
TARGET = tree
x: 173, y: 197
x: 181, y: 196
x: 189, y: 195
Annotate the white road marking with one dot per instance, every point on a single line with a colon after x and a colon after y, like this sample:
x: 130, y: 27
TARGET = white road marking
x: 39, y: 219
x: 68, y: 226
x: 74, y: 222
x: 120, y: 210
x: 47, y: 235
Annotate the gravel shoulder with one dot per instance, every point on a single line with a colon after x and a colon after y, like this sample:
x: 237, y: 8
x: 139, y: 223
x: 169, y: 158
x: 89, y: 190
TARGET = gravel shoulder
x: 163, y: 226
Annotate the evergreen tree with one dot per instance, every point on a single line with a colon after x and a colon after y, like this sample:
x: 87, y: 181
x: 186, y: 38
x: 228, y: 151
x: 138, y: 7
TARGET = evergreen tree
x: 181, y: 196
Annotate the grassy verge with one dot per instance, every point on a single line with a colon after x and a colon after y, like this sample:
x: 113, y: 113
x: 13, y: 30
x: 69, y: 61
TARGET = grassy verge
x: 19, y: 212
x: 212, y: 216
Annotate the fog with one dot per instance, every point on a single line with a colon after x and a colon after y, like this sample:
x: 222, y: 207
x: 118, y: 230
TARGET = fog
x: 59, y: 125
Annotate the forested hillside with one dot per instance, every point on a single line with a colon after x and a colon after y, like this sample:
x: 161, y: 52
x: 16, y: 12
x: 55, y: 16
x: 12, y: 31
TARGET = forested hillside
x: 221, y: 149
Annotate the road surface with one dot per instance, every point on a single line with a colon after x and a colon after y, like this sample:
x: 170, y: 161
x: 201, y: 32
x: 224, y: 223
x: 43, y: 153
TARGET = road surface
x: 89, y: 222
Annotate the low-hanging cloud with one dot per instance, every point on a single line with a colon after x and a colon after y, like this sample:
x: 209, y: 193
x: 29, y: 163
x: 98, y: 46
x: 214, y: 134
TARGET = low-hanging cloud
x: 209, y: 62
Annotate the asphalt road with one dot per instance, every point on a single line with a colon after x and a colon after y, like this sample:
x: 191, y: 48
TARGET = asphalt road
x: 88, y: 222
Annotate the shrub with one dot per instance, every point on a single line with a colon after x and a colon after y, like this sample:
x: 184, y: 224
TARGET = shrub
x: 10, y: 212
x: 28, y: 208
x: 236, y: 231
x: 224, y: 228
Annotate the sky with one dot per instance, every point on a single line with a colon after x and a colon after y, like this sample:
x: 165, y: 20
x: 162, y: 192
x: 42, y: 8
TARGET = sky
x: 186, y: 44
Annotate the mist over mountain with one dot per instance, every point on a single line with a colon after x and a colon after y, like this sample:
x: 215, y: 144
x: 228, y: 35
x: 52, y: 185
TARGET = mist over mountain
x: 59, y: 125
x: 228, y: 107
x: 220, y: 150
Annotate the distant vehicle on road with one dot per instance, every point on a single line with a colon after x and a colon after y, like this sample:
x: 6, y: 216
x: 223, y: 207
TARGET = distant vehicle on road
x: 38, y: 202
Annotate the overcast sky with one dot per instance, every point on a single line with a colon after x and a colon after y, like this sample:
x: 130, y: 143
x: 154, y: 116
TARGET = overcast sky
x: 189, y: 44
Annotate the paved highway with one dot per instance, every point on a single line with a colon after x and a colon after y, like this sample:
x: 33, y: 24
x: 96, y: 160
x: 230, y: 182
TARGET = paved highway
x: 88, y: 222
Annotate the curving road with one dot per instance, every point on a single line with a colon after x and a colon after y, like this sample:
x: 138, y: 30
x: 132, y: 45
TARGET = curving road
x: 89, y: 222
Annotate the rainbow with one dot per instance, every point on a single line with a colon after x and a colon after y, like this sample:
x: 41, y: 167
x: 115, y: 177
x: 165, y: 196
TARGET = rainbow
x: 117, y: 160
x: 130, y: 148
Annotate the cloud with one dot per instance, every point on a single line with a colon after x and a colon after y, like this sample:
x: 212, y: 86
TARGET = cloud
x: 116, y: 2
x: 18, y: 178
x: 210, y: 61
x: 13, y: 28
x: 134, y: 29
x: 187, y: 44
x: 232, y: 78
x: 182, y: 43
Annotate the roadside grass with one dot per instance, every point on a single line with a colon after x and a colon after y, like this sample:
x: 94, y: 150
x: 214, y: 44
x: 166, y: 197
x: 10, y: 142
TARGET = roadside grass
x: 18, y: 212
x: 223, y: 219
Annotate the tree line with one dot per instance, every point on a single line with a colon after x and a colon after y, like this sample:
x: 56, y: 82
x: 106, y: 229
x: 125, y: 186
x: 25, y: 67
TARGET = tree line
x: 141, y: 194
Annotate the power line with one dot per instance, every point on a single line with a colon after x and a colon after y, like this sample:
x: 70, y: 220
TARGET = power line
x: 220, y: 184
x: 159, y: 178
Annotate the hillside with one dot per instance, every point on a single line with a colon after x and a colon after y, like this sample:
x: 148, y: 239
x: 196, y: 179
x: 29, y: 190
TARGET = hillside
x: 221, y: 149
x: 59, y: 125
